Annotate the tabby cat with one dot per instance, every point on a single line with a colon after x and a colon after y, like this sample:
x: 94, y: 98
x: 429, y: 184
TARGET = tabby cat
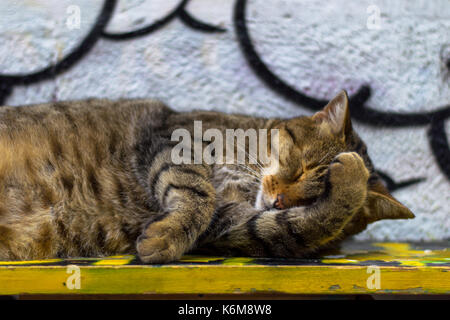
x: 95, y: 178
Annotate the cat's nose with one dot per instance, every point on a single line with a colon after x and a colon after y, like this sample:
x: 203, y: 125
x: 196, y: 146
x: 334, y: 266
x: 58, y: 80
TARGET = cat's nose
x: 278, y: 204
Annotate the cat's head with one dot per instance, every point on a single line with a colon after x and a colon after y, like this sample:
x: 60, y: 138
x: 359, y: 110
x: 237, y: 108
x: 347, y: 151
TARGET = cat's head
x: 307, y: 145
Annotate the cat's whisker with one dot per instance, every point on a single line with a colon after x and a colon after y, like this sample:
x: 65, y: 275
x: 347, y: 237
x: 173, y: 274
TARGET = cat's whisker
x: 249, y: 172
x: 325, y: 156
x: 256, y: 173
x: 255, y: 180
x: 251, y: 157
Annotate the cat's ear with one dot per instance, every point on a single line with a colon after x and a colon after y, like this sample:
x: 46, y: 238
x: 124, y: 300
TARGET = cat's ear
x: 336, y: 115
x: 382, y: 205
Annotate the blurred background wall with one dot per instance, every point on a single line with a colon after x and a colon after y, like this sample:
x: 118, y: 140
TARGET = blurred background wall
x: 263, y: 57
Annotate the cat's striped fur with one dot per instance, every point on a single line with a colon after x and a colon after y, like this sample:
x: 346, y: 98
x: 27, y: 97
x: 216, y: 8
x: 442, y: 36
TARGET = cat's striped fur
x: 95, y: 177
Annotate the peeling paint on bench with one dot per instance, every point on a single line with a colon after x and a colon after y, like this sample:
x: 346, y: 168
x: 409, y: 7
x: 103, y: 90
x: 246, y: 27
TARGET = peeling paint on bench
x: 404, y: 268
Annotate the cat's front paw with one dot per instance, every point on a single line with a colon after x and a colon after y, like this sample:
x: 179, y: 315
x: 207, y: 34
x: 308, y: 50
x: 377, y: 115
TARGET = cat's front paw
x: 158, y: 245
x: 348, y: 176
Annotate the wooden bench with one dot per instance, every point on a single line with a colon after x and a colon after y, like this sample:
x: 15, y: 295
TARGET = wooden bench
x: 358, y: 268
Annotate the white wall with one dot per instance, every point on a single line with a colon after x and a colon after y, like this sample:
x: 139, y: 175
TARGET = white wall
x: 318, y: 47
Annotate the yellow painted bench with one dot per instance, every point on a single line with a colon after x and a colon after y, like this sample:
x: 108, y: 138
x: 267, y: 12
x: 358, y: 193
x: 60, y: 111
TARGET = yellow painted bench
x: 359, y: 268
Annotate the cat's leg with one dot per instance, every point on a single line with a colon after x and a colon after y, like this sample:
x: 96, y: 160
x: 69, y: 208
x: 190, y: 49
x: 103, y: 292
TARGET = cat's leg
x: 186, y: 198
x: 297, y: 231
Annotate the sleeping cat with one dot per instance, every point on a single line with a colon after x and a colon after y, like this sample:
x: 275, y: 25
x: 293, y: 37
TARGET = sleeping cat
x: 94, y: 178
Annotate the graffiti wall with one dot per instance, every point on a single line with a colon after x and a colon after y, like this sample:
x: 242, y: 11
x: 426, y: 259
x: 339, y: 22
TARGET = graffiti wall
x: 268, y: 58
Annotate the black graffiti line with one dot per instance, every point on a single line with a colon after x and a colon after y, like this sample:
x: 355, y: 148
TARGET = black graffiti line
x: 8, y: 81
x: 146, y: 30
x: 439, y: 145
x: 194, y: 23
x: 70, y: 60
x: 261, y: 69
x: 5, y: 91
x: 179, y: 11
x: 358, y: 109
x: 377, y: 118
x: 393, y: 185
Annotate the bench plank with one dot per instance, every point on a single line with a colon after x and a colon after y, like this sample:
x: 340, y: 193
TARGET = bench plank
x: 358, y: 268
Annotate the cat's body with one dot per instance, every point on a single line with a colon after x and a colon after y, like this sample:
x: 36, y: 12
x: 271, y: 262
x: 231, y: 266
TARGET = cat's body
x: 96, y: 178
